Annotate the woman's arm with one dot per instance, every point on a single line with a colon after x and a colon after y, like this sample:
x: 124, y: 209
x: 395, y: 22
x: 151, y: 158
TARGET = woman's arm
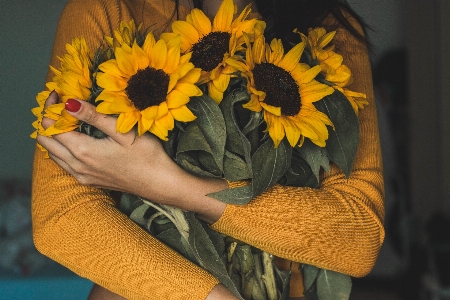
x: 79, y: 226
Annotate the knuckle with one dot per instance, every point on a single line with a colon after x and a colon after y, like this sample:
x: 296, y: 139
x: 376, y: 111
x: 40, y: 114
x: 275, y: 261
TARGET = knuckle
x: 91, y: 116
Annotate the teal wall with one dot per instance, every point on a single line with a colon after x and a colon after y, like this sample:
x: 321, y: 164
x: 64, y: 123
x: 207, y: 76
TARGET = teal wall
x: 26, y: 35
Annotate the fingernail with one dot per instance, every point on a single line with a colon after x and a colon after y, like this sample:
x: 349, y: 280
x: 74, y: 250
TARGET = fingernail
x: 73, y: 105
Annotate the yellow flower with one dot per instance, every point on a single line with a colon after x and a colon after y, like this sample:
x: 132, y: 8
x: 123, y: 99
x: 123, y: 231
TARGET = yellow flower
x: 212, y: 44
x: 125, y: 34
x: 148, y: 85
x: 332, y: 66
x: 71, y: 80
x: 285, y: 90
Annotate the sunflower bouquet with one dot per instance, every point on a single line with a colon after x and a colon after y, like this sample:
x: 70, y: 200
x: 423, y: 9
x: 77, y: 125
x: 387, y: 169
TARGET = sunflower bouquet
x: 225, y: 104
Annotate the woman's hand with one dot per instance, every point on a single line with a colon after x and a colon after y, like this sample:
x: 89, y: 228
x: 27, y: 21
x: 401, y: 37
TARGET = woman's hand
x: 125, y: 162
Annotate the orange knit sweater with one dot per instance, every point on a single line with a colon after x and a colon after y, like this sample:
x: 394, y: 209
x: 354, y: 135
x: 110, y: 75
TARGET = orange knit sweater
x: 337, y: 226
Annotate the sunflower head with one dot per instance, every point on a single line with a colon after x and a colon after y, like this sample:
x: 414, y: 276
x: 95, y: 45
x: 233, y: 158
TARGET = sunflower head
x: 331, y: 64
x: 211, y: 43
x: 71, y: 80
x: 285, y: 90
x: 148, y: 86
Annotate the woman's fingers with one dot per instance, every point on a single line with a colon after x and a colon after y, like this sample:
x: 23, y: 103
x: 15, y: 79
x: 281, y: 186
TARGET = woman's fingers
x: 53, y: 98
x: 86, y: 112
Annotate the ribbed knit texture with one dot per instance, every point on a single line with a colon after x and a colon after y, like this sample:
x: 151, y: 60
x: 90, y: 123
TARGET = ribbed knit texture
x: 338, y: 226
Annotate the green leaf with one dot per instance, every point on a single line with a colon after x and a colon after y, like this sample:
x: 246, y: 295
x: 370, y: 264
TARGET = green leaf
x: 309, y: 281
x: 333, y: 285
x: 172, y: 238
x: 236, y: 141
x: 234, y: 167
x: 189, y: 162
x: 315, y: 156
x: 138, y: 215
x: 342, y: 142
x: 208, y: 163
x: 299, y: 173
x: 128, y: 203
x: 270, y: 164
x: 212, y: 125
x: 206, y: 254
x: 239, y: 196
x: 192, y: 139
x: 283, y: 282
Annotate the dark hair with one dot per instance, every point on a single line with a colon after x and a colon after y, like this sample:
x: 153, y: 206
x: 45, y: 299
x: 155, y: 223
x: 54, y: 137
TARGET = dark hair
x: 282, y: 16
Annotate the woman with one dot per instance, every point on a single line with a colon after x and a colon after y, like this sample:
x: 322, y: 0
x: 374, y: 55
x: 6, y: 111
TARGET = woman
x: 337, y: 226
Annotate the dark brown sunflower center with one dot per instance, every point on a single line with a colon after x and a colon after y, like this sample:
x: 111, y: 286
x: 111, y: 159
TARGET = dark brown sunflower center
x: 148, y: 87
x: 280, y: 88
x: 208, y: 52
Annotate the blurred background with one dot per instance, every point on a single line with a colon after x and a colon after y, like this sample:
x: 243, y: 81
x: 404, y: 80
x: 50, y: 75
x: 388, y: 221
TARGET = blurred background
x: 410, y: 60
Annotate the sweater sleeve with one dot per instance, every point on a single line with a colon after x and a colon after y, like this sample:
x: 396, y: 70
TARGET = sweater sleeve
x: 79, y: 226
x: 337, y: 226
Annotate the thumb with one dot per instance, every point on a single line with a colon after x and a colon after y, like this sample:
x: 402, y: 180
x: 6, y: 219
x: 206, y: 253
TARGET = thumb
x: 84, y: 111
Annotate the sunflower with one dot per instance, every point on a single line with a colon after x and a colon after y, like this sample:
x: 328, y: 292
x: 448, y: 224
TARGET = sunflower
x: 148, y: 85
x: 332, y: 66
x: 125, y: 34
x: 285, y: 90
x: 71, y: 80
x: 211, y: 44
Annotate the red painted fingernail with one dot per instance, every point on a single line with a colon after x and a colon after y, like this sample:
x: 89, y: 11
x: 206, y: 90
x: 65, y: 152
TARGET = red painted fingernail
x: 73, y: 105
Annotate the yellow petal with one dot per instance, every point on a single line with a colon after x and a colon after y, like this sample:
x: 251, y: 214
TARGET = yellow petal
x: 111, y: 68
x: 292, y: 58
x: 150, y: 113
x: 140, y: 56
x: 188, y: 89
x: 144, y: 125
x: 275, y: 128
x: 149, y: 43
x: 201, y: 22
x: 163, y: 109
x: 159, y: 130
x: 189, y: 35
x: 176, y: 99
x: 173, y: 55
x: 167, y: 121
x: 159, y: 55
x: 126, y: 121
x: 272, y: 109
x: 314, y: 91
x: 215, y: 93
x: 292, y: 132
x: 182, y: 114
x: 253, y: 104
x: 111, y: 83
x: 324, y: 40
x: 224, y: 17
x: 192, y: 76
x: 126, y: 62
x: 173, y: 79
